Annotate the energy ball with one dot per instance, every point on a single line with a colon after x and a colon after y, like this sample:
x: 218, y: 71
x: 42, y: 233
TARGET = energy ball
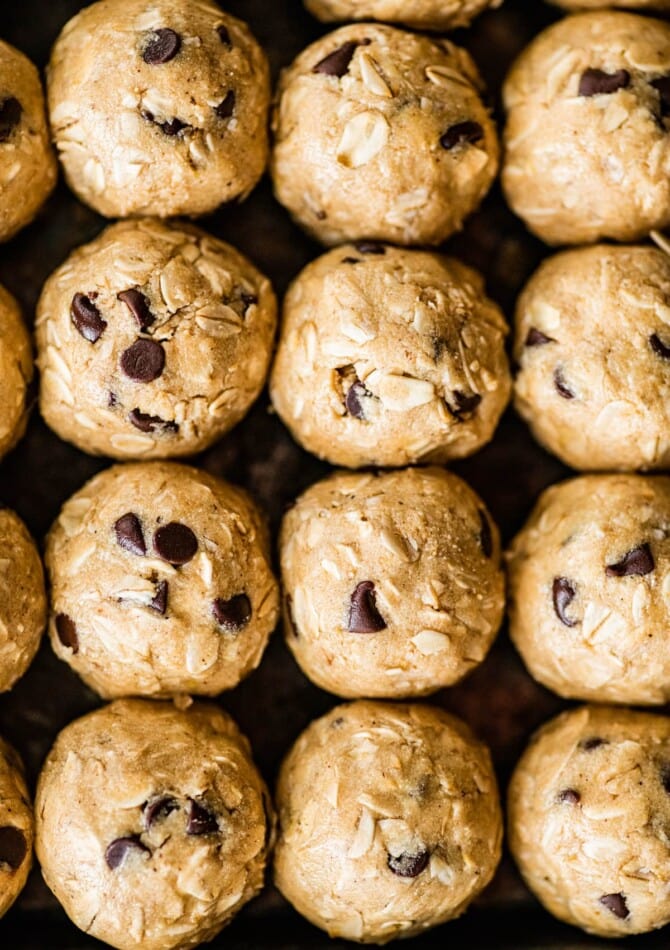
x: 588, y: 811
x: 390, y: 356
x: 392, y: 583
x: 16, y: 828
x: 159, y: 107
x: 160, y: 582
x: 16, y: 372
x: 153, y: 341
x: 418, y: 14
x: 389, y: 821
x: 593, y: 347
x: 153, y: 824
x: 382, y: 134
x: 587, y: 143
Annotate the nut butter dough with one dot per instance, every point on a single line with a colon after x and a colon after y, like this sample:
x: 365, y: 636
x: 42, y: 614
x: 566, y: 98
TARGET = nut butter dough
x: 16, y: 372
x: 593, y: 347
x: 160, y: 582
x: 588, y: 129
x: 159, y: 106
x: 152, y: 824
x: 382, y: 134
x: 393, y: 582
x: 153, y: 341
x: 390, y: 821
x: 390, y: 356
x: 16, y: 828
x: 419, y: 14
x: 589, y: 810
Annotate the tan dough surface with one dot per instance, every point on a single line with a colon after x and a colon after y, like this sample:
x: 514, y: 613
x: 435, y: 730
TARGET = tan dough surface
x: 181, y: 133
x: 153, y: 824
x: 588, y: 813
x: 389, y: 821
x: 419, y: 14
x: 393, y: 583
x: 200, y: 306
x: 643, y: 5
x: 192, y: 614
x: 595, y: 385
x: 16, y: 827
x: 16, y: 372
x: 359, y: 140
x: 395, y: 358
x: 583, y: 165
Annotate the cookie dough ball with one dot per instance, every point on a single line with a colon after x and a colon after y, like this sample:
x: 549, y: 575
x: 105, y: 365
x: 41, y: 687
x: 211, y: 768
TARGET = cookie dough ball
x: 390, y: 821
x: 16, y: 372
x: 16, y: 827
x: 588, y: 810
x: 382, y: 134
x: 588, y: 116
x: 159, y: 107
x: 390, y: 356
x: 393, y: 582
x: 153, y: 341
x: 153, y: 824
x: 160, y: 582
x: 419, y: 14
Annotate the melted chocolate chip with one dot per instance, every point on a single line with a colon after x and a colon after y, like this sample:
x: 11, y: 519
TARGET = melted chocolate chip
x: 120, y: 848
x: 226, y: 107
x: 86, y: 318
x: 561, y: 386
x: 616, y: 903
x: 353, y: 400
x: 144, y: 361
x: 148, y: 423
x: 162, y: 47
x: 537, y: 338
x: 593, y: 742
x: 13, y: 846
x: 67, y: 632
x: 463, y: 404
x: 563, y: 593
x: 201, y: 821
x: 635, y: 563
x: 569, y: 796
x: 224, y: 35
x: 463, y: 132
x: 138, y: 305
x: 233, y: 614
x: 175, y: 543
x: 485, y: 534
x: 10, y: 116
x: 369, y: 247
x: 157, y: 809
x: 659, y: 347
x: 129, y: 534
x: 363, y: 614
x: 408, y: 865
x: 662, y: 87
x: 337, y: 62
x: 159, y: 601
x: 596, y: 82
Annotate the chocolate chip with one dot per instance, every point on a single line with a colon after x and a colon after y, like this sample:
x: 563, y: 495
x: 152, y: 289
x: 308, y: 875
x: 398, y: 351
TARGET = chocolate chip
x: 659, y: 347
x: 224, y: 35
x: 86, y: 318
x: 353, y: 400
x: 144, y: 361
x: 463, y: 404
x: 129, y: 534
x: 408, y: 865
x: 112, y: 401
x: 635, y: 563
x: 233, y: 614
x: 467, y: 132
x: 118, y: 850
x: 563, y: 593
x: 562, y: 387
x: 596, y: 82
x: 138, y: 305
x: 665, y: 776
x: 248, y: 300
x: 172, y: 127
x: 350, y: 260
x: 337, y: 62
x: 569, y: 796
x: 225, y: 108
x: 148, y: 423
x: 363, y: 614
x: 10, y: 116
x: 201, y: 821
x: 162, y: 47
x: 13, y: 846
x: 369, y: 247
x: 67, y: 632
x: 616, y: 903
x: 157, y: 809
x: 485, y: 534
x: 537, y: 338
x: 593, y: 742
x: 159, y: 601
x: 662, y: 87
x: 175, y: 543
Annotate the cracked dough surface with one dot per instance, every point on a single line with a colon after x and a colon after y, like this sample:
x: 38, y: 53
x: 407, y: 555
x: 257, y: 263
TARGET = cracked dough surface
x: 153, y: 341
x: 588, y: 810
x: 587, y: 149
x: 389, y: 821
x: 390, y: 356
x: 418, y: 14
x: 153, y: 824
x: 393, y: 583
x: 16, y: 827
x: 16, y: 372
x: 181, y: 129
x: 381, y: 133
x: 160, y: 582
x: 593, y: 347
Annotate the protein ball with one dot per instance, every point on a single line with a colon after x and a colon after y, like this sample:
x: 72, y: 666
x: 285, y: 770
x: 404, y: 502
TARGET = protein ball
x: 16, y: 827
x: 16, y: 372
x: 418, y: 14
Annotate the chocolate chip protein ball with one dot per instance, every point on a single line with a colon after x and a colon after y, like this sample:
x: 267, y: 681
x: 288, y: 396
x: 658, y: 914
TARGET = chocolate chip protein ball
x: 153, y: 341
x: 153, y: 824
x: 16, y: 827
x: 160, y: 582
x: 382, y: 134
x: 593, y: 349
x: 390, y: 356
x: 588, y: 810
x: 392, y: 582
x: 419, y: 14
x: 158, y: 106
x: 587, y: 143
x: 16, y: 372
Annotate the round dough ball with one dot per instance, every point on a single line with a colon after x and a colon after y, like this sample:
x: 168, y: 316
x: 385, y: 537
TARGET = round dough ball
x: 153, y: 824
x: 382, y: 134
x: 159, y: 106
x: 393, y: 583
x: 587, y: 149
x: 16, y: 828
x: 153, y: 341
x: 16, y: 372
x: 160, y: 582
x: 419, y: 14
x: 588, y: 811
x: 593, y: 347
x: 390, y: 356
x: 23, y: 602
x: 389, y: 821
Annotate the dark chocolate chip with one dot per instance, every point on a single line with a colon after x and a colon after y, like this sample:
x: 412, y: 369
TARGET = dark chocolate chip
x: 162, y: 47
x: 593, y: 742
x: 226, y: 107
x: 596, y: 82
x: 561, y: 386
x: 353, y: 400
x: 616, y: 903
x: 118, y: 850
x: 635, y: 563
x: 485, y: 534
x: 13, y: 846
x: 173, y: 126
x: 408, y: 865
x: 159, y: 601
x: 138, y: 305
x: 175, y: 543
x: 10, y: 116
x: 157, y: 809
x: 563, y: 593
x: 201, y: 821
x: 112, y: 401
x: 569, y: 796
x: 224, y: 35
x: 248, y: 300
x: 665, y: 776
x: 662, y: 87
x: 350, y: 260
x: 363, y: 614
x: 369, y: 247
x: 86, y: 318
x: 659, y: 347
x: 537, y: 338
x: 144, y: 361
x: 148, y: 423
x: 463, y: 132
x: 464, y: 404
x: 129, y: 534
x: 67, y: 632
x: 337, y: 62
x: 233, y: 614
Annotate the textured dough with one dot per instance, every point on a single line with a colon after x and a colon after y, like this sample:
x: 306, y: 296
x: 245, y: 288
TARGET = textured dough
x: 158, y: 106
x: 16, y: 372
x: 196, y: 303
x: 390, y: 356
x: 386, y: 139
x: 419, y: 14
x: 593, y: 347
x: 153, y: 824
x: 140, y: 609
x: 23, y: 604
x: 580, y: 167
x: 389, y: 821
x: 393, y: 583
x: 589, y: 810
x: 16, y: 827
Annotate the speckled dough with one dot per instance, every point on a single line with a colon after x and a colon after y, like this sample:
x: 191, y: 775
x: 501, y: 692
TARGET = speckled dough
x: 393, y: 583
x: 16, y: 372
x: 153, y: 824
x: 588, y: 122
x: 419, y: 14
x: 390, y: 356
x: 382, y: 134
x: 160, y: 582
x: 16, y: 828
x: 159, y: 106
x: 588, y: 810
